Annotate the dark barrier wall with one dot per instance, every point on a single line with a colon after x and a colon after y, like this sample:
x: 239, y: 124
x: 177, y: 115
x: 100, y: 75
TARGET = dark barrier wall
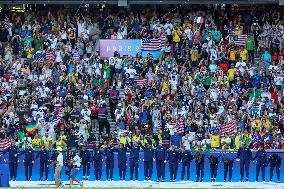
x: 236, y: 170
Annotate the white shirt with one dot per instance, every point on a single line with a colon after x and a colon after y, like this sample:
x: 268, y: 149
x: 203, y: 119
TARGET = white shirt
x: 77, y: 161
x: 59, y: 159
x: 186, y: 142
x: 131, y: 72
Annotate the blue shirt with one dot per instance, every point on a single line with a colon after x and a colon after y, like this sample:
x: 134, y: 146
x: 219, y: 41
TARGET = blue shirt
x: 176, y: 140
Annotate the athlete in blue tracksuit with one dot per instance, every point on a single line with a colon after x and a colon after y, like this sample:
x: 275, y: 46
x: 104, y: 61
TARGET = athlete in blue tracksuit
x: 86, y: 162
x: 149, y: 154
x: 13, y: 160
x: 228, y: 166
x: 121, y: 161
x: 43, y: 155
x: 97, y: 159
x: 199, y: 162
x: 245, y: 156
x: 109, y: 159
x: 29, y: 161
x: 173, y: 157
x: 134, y: 160
x: 261, y: 158
x: 213, y: 160
x: 275, y: 162
x: 160, y: 156
x: 186, y: 158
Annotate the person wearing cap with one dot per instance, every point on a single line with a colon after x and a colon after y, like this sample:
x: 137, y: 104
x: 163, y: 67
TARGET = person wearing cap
x: 43, y: 155
x: 13, y: 159
x: 86, y: 160
x: 261, y: 162
x: 173, y: 157
x: 58, y: 167
x: 245, y: 156
x: 160, y: 156
x: 29, y: 161
x: 97, y: 159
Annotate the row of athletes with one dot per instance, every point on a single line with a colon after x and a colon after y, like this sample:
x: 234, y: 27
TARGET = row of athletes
x: 161, y: 155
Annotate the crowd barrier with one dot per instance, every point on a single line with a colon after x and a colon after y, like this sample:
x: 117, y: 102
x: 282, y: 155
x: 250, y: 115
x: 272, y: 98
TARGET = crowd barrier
x: 4, y: 174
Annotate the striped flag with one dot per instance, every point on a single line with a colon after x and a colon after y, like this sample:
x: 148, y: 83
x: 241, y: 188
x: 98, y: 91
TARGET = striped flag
x: 180, y: 125
x: 228, y: 129
x: 50, y: 56
x: 241, y: 40
x: 154, y: 44
x: 140, y: 81
x: 4, y: 143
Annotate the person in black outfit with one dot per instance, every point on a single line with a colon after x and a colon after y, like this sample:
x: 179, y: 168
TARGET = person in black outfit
x: 67, y: 162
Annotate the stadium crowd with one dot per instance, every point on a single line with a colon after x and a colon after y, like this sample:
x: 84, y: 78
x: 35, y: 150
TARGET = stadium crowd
x: 218, y: 83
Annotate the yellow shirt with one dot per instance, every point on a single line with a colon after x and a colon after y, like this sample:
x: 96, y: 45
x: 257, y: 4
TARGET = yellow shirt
x: 231, y: 73
x: 176, y: 37
x: 194, y: 55
x: 63, y: 137
x: 215, y: 141
x: 123, y: 140
x: 46, y: 141
x: 244, y: 54
x: 232, y: 55
x: 165, y: 86
x: 30, y: 52
x: 256, y: 124
x: 59, y: 143
x: 237, y: 142
x: 36, y: 142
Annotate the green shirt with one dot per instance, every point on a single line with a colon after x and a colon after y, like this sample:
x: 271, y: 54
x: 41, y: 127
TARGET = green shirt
x: 250, y: 44
x: 38, y: 43
x: 208, y: 80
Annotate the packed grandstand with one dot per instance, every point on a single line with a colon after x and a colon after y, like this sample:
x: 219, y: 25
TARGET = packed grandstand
x: 216, y: 83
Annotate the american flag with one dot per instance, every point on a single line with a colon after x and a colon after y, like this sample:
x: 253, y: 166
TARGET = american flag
x: 241, y: 40
x: 4, y: 143
x: 228, y: 129
x: 50, y: 56
x: 140, y: 81
x: 154, y: 44
x: 180, y: 125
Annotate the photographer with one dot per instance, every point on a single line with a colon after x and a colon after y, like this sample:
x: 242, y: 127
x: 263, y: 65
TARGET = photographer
x: 75, y: 164
x: 67, y: 162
